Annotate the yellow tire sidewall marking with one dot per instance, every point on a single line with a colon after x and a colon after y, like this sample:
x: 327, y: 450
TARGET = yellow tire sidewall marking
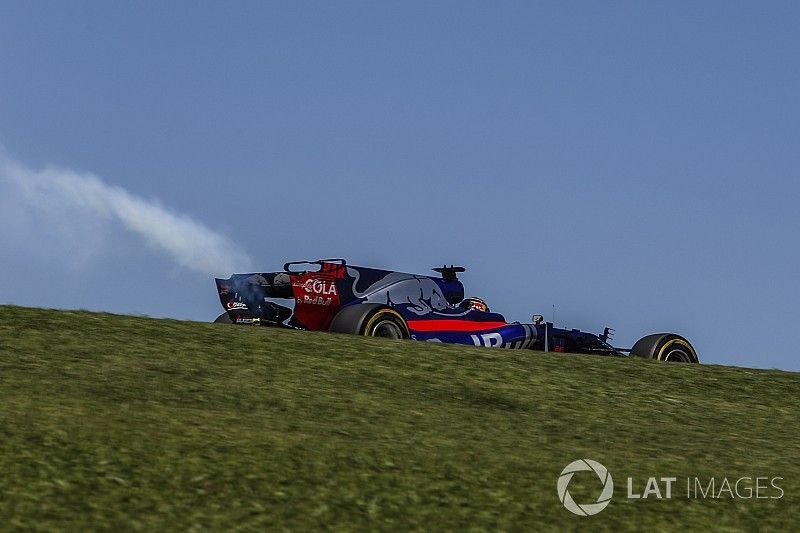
x: 377, y: 316
x: 679, y: 342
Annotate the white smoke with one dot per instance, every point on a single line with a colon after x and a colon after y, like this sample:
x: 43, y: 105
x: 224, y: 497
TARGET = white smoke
x: 62, y: 200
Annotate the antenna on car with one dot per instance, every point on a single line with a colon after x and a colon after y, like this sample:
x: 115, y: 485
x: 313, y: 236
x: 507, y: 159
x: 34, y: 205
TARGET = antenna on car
x: 449, y: 272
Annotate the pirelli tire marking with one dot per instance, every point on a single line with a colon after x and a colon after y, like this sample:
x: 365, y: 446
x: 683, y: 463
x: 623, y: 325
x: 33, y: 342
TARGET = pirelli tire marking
x: 679, y: 342
x: 380, y: 315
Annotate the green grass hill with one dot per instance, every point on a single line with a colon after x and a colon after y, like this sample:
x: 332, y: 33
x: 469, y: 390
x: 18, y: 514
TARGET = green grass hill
x: 131, y: 423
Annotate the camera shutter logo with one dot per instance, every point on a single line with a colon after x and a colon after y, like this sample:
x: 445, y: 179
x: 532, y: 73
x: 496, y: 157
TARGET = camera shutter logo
x: 585, y: 509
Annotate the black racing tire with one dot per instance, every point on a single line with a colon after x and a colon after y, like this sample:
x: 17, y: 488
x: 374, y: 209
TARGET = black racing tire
x: 224, y: 318
x: 667, y: 347
x: 370, y: 320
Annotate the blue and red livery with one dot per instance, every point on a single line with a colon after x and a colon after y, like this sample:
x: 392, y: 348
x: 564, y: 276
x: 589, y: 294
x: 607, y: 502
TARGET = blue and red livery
x: 331, y: 295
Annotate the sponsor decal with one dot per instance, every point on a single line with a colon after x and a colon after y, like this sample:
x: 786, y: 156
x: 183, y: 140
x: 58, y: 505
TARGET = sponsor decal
x: 235, y: 305
x: 315, y: 300
x: 490, y: 340
x: 495, y: 339
x: 335, y: 270
x: 319, y: 286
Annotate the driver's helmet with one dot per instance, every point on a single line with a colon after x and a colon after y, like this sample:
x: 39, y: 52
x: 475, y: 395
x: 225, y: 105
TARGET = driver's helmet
x: 474, y: 304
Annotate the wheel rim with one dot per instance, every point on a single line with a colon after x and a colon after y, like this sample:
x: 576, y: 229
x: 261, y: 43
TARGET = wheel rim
x: 677, y: 355
x: 388, y: 329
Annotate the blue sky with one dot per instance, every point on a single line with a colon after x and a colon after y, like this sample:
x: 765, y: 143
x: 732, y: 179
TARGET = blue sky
x: 633, y: 163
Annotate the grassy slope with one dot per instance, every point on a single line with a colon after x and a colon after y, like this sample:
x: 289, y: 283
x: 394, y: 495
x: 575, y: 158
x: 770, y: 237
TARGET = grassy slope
x: 137, y: 423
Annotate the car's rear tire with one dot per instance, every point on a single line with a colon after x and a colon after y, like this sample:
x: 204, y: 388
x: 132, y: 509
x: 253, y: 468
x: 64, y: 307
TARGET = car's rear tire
x: 223, y: 319
x: 667, y: 347
x: 388, y: 324
x: 370, y: 320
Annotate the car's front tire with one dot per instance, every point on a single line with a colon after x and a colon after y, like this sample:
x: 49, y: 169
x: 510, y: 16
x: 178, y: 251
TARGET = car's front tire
x: 667, y: 347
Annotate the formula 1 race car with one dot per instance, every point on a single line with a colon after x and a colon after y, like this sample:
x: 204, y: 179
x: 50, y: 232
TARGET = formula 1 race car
x: 331, y: 295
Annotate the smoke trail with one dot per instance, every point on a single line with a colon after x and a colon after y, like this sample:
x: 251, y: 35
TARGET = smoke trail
x: 63, y: 197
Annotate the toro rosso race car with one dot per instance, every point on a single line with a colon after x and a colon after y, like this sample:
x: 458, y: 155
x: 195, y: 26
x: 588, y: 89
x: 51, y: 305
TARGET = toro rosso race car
x: 331, y: 295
